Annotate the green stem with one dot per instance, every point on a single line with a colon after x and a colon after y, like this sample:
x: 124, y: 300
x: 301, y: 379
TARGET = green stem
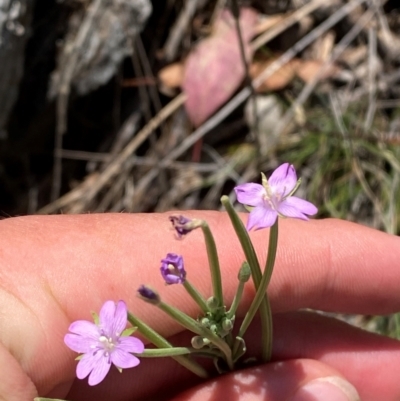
x: 192, y: 325
x: 196, y: 296
x: 236, y: 301
x: 214, y: 262
x: 176, y: 351
x: 161, y: 342
x: 261, y: 291
x: 248, y: 249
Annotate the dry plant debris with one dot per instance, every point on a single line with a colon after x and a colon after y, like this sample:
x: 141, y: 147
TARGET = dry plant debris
x: 326, y: 92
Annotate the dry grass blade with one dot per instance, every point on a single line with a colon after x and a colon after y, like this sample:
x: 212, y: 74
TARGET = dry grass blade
x: 310, y: 87
x: 100, y: 180
x: 244, y: 94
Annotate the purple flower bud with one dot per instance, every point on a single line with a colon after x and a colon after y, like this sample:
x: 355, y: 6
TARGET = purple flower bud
x: 180, y: 225
x: 148, y: 295
x: 172, y: 269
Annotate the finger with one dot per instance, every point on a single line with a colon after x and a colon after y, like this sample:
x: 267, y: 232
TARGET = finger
x: 365, y: 359
x: 369, y: 361
x: 61, y: 267
x: 296, y: 380
x: 329, y: 264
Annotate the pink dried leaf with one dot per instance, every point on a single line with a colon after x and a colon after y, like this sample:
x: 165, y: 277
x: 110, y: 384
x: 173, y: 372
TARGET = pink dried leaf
x: 214, y: 69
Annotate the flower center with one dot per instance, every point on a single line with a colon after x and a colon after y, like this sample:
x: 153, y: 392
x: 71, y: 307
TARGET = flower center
x: 107, y: 342
x: 273, y: 199
x: 173, y: 270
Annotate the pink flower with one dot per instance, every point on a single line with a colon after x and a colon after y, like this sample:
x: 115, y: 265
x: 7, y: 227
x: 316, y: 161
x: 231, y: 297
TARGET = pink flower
x: 274, y: 198
x: 103, y: 343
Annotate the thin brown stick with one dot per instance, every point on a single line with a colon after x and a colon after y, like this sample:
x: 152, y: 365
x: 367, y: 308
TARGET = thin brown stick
x: 175, y: 36
x: 245, y: 93
x: 90, y: 187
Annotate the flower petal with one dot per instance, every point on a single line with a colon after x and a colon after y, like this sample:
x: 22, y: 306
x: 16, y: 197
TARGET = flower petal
x: 123, y: 359
x: 84, y: 329
x: 297, y: 207
x: 106, y: 318
x: 173, y: 269
x: 283, y: 179
x: 131, y: 344
x: 261, y: 217
x: 100, y: 370
x: 87, y: 363
x: 79, y: 344
x: 120, y: 318
x: 113, y: 318
x: 250, y: 194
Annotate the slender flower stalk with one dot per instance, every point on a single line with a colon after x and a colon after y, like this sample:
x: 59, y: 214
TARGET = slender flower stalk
x: 177, y: 351
x: 261, y: 291
x: 243, y: 276
x: 213, y: 262
x: 251, y: 257
x: 183, y: 226
x: 159, y: 341
x: 197, y: 297
x: 192, y: 325
x: 173, y: 272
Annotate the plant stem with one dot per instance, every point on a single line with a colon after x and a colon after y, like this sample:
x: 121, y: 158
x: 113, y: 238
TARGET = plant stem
x: 176, y: 351
x: 248, y: 249
x: 192, y: 325
x: 261, y: 291
x: 214, y: 262
x: 161, y: 342
x: 198, y: 298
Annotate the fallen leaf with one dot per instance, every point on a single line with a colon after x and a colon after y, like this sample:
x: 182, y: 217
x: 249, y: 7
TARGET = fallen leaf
x: 278, y: 80
x: 214, y: 69
x: 171, y: 76
x: 307, y: 69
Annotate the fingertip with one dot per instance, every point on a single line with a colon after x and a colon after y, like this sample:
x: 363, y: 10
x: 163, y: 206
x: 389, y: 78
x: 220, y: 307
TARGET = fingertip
x: 278, y: 381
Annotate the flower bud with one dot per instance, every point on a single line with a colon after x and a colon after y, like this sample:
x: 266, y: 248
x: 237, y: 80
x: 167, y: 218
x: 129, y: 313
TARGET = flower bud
x: 244, y: 273
x: 199, y: 342
x: 149, y: 295
x: 184, y: 225
x: 227, y: 324
x: 212, y: 304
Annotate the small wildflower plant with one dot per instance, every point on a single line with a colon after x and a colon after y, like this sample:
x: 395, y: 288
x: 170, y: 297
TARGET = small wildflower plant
x: 108, y: 342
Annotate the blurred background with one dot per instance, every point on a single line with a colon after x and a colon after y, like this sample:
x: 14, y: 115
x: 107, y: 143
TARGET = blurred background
x: 143, y: 106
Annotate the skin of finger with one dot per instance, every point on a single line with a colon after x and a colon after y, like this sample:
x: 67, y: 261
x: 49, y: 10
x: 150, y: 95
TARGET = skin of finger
x: 66, y: 266
x: 273, y: 382
x: 367, y: 360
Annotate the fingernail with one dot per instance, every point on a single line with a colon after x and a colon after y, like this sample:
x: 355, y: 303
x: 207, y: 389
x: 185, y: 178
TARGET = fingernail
x: 331, y: 388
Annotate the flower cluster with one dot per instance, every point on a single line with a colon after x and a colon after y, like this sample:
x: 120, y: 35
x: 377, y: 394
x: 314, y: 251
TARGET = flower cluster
x: 107, y: 341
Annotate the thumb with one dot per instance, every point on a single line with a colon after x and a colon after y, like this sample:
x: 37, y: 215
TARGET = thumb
x: 294, y: 380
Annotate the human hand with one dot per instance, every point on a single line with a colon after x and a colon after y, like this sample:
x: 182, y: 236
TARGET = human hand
x: 56, y: 269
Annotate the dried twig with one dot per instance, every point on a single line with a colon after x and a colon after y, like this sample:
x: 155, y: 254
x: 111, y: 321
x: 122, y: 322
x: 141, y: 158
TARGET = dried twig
x: 255, y: 131
x: 245, y: 93
x: 309, y: 88
x: 175, y: 36
x: 89, y: 188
